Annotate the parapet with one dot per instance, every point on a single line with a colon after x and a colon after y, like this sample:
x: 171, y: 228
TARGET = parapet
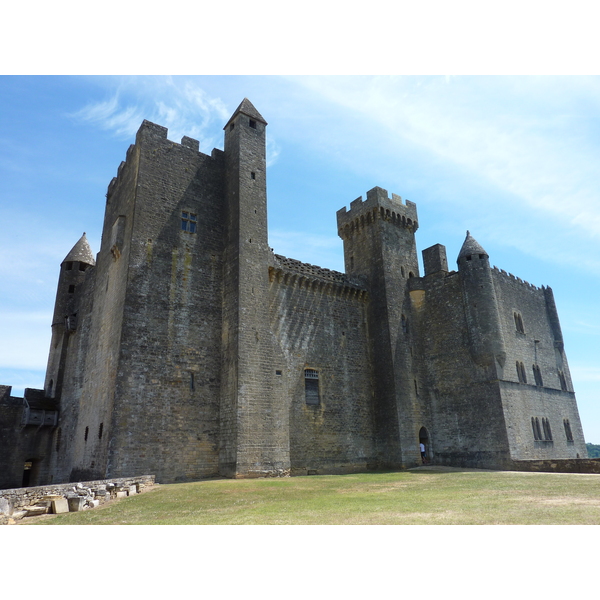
x: 303, y: 275
x: 510, y: 277
x: 377, y: 206
x: 149, y: 130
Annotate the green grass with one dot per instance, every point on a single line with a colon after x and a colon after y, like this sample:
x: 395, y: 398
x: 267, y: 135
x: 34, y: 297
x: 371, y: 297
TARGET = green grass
x: 427, y: 496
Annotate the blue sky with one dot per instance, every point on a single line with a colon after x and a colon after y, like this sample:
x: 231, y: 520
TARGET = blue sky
x: 512, y: 159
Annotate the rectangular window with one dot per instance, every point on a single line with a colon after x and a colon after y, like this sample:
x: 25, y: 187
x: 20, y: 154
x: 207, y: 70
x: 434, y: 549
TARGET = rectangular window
x: 188, y: 222
x: 311, y: 387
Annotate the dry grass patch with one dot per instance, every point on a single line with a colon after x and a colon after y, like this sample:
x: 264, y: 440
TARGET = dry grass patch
x: 419, y: 496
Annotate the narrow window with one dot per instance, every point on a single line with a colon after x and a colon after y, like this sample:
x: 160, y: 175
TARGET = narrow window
x: 537, y: 374
x: 82, y: 266
x: 231, y: 127
x: 68, y: 265
x: 563, y: 381
x: 536, y: 437
x: 253, y: 123
x: 568, y: 431
x: 188, y: 222
x: 519, y: 323
x: 100, y: 431
x: 547, y: 430
x: 71, y: 289
x: 85, y: 435
x: 192, y: 383
x: 538, y: 429
x: 311, y: 387
x: 277, y: 372
x: 521, y: 372
x: 253, y: 175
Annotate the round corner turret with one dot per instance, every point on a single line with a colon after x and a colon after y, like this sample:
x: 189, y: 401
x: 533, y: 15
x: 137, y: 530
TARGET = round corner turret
x: 471, y: 251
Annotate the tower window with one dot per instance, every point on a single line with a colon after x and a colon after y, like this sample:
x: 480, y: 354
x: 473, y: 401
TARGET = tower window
x: 537, y: 432
x: 563, y: 381
x: 521, y: 372
x: 519, y: 323
x: 537, y: 373
x: 100, y: 431
x: 71, y: 289
x: 68, y: 265
x: 188, y: 222
x: 82, y: 266
x: 311, y: 387
x: 85, y: 435
x: 547, y: 430
x: 253, y: 123
x: 568, y: 431
x: 253, y: 175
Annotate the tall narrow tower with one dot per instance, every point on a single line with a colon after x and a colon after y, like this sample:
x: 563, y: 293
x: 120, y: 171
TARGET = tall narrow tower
x: 72, y: 274
x: 254, y: 426
x: 486, y: 343
x: 379, y: 246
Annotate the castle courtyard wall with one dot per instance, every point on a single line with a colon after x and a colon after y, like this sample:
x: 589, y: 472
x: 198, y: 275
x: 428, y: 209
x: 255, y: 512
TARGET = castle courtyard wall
x: 540, y: 343
x: 322, y: 326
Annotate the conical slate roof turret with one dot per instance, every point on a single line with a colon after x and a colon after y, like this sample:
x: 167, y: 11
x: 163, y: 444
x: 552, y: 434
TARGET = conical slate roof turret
x: 81, y: 252
x: 470, y: 247
x: 248, y: 109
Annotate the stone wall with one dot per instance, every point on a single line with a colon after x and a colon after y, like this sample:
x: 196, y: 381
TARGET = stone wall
x: 320, y: 324
x: 19, y: 502
x: 582, y: 465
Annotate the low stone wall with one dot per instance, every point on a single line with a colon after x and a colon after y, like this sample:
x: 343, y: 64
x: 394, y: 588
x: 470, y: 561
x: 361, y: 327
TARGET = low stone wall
x: 17, y: 503
x: 567, y: 465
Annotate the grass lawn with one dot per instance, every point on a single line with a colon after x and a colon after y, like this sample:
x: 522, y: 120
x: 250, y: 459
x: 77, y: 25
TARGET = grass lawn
x: 424, y: 496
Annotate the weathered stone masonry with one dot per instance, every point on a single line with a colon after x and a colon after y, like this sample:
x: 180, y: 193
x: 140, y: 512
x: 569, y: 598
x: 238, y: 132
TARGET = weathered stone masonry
x: 188, y: 349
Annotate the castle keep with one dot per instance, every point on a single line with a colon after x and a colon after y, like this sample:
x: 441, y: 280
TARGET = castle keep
x: 188, y: 349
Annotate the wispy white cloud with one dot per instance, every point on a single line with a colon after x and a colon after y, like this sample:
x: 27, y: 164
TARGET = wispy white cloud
x: 528, y: 138
x: 181, y: 106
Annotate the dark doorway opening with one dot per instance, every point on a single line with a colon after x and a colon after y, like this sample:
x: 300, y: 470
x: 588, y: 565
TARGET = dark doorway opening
x: 424, y: 446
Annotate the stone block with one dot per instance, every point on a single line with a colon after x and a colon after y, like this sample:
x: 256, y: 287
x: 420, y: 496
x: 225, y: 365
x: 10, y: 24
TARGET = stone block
x: 35, y: 511
x: 60, y: 505
x: 122, y: 494
x: 6, y: 507
x: 75, y: 503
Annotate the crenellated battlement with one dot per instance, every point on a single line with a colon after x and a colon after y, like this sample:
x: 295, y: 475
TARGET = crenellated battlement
x: 149, y: 130
x: 377, y: 206
x: 515, y: 279
x: 304, y: 275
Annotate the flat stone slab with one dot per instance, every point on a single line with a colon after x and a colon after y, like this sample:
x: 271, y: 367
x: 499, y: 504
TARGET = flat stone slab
x: 60, y: 505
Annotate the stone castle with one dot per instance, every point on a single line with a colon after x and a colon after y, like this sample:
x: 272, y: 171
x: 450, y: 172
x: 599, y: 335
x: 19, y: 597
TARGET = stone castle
x: 188, y: 349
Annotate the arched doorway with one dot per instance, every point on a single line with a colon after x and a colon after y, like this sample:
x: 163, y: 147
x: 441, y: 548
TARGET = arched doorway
x: 425, y: 448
